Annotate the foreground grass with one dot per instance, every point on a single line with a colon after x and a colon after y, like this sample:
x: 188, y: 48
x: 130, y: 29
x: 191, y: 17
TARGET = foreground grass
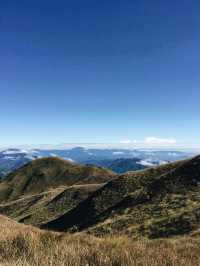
x: 25, y: 245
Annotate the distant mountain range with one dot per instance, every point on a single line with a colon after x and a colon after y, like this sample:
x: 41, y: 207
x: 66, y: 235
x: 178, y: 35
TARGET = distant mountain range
x: 122, y: 165
x: 118, y: 160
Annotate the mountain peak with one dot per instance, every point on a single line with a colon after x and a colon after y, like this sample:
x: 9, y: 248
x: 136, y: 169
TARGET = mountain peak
x: 45, y: 173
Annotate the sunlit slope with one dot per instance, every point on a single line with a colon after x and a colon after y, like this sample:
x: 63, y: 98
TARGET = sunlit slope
x: 43, y: 174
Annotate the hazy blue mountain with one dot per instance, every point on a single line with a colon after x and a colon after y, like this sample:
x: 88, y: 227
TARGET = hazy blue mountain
x: 120, y: 165
x: 119, y: 160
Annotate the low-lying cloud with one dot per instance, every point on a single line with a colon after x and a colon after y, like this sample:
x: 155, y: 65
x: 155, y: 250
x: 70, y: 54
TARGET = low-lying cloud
x: 154, y: 140
x: 151, y: 141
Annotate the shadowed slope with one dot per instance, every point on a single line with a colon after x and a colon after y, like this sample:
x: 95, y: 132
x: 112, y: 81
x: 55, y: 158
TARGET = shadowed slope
x: 40, y: 208
x: 157, y: 202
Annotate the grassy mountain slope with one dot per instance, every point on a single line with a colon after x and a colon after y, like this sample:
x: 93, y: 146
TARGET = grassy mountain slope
x: 43, y: 174
x: 25, y: 245
x: 157, y: 202
x: 40, y: 208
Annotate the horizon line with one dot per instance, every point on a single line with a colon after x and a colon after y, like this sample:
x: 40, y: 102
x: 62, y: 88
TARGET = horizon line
x: 101, y: 145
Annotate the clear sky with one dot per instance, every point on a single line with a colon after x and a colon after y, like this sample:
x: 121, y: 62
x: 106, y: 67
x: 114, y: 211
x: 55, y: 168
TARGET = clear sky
x: 99, y: 71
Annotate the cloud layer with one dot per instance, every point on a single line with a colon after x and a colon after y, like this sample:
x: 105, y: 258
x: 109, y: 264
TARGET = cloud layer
x: 151, y: 141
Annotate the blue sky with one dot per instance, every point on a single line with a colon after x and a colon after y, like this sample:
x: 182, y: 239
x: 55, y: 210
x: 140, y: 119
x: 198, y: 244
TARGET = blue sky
x: 99, y: 71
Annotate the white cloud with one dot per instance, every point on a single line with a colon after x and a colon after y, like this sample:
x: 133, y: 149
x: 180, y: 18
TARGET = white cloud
x: 14, y: 151
x: 161, y: 141
x: 118, y: 152
x: 125, y: 141
x: 69, y: 159
x: 145, y: 163
x: 151, y: 142
x: 53, y: 155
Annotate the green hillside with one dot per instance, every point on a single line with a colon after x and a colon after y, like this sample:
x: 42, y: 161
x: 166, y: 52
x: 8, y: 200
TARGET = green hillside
x: 40, y: 208
x: 158, y: 202
x: 55, y: 194
x: 43, y: 174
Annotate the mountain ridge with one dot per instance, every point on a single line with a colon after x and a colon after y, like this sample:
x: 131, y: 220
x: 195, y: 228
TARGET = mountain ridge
x: 161, y: 201
x: 45, y: 173
x: 135, y: 198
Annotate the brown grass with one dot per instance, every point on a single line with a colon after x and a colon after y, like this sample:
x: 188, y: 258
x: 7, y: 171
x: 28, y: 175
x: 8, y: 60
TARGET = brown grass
x: 22, y: 245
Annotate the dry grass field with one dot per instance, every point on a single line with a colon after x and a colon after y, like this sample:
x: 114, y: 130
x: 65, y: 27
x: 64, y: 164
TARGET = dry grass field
x: 22, y: 245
